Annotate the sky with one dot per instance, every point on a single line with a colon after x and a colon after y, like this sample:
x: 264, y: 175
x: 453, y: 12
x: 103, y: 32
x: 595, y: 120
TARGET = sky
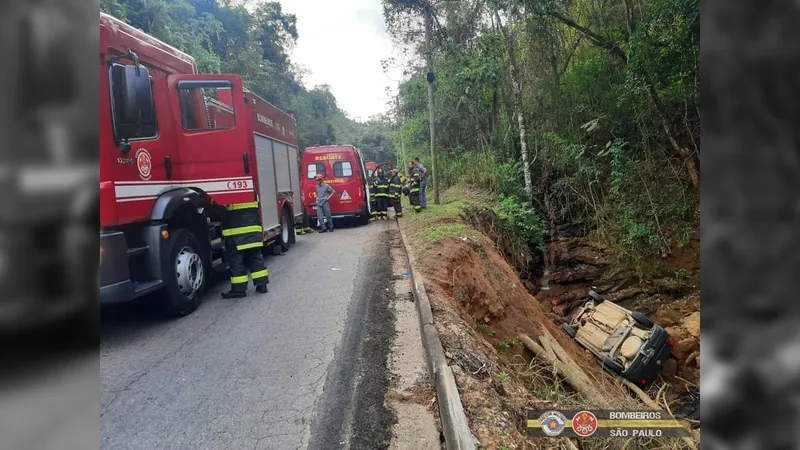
x: 341, y: 43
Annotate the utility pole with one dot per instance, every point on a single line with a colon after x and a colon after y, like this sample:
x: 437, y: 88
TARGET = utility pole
x: 431, y: 115
x: 403, y: 153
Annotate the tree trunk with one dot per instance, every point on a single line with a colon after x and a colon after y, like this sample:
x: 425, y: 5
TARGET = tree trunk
x: 516, y: 88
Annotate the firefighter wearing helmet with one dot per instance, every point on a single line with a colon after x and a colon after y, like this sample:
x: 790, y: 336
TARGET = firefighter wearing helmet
x: 324, y: 194
x: 382, y: 194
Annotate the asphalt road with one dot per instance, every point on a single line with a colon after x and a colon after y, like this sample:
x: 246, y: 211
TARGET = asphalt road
x: 303, y: 366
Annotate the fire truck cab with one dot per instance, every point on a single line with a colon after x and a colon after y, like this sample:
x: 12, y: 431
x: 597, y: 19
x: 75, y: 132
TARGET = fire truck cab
x: 176, y: 147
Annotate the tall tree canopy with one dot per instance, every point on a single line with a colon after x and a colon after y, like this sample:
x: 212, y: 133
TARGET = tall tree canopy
x: 607, y: 93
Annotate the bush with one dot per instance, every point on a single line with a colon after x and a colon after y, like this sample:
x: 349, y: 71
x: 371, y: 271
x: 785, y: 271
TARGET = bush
x: 526, y: 224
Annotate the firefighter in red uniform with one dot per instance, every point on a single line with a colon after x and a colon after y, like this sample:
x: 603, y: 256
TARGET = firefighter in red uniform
x: 241, y: 228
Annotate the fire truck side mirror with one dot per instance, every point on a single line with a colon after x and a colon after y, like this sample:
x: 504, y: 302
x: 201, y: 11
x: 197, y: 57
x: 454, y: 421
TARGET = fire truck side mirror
x: 133, y: 98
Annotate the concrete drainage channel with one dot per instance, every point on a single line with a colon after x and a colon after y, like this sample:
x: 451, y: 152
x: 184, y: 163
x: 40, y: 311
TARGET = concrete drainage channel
x: 455, y: 426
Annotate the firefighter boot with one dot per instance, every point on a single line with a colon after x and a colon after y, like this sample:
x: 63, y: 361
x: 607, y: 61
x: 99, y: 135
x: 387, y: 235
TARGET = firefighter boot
x: 262, y: 289
x: 234, y: 294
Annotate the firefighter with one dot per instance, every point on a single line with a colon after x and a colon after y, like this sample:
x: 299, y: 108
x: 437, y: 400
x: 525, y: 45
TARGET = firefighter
x: 303, y: 228
x: 395, y: 188
x: 241, y: 228
x: 373, y: 200
x: 324, y: 194
x: 382, y: 194
x: 413, y: 189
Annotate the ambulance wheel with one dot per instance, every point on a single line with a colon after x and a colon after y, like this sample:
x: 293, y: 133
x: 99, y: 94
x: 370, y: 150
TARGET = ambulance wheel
x: 363, y: 219
x: 183, y: 273
x: 287, y: 231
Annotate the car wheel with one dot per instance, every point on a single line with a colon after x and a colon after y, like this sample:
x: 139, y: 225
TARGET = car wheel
x: 570, y: 330
x: 643, y: 321
x: 596, y: 297
x: 613, y: 366
x: 183, y: 273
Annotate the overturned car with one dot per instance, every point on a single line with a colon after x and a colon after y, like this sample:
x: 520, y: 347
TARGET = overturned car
x: 627, y: 343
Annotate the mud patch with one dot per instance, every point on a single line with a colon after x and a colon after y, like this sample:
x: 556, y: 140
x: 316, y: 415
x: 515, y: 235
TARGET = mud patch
x: 480, y: 307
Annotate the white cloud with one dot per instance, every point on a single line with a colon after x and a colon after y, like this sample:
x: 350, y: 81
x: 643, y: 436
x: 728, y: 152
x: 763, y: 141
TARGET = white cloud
x: 342, y: 43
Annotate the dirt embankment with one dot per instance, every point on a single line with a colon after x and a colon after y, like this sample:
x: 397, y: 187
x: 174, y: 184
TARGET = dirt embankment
x: 481, y: 306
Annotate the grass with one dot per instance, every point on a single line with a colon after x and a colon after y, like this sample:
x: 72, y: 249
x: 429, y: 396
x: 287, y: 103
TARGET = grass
x: 485, y: 330
x: 442, y: 221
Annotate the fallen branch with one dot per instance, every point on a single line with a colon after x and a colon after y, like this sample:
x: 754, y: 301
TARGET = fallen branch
x: 655, y: 405
x: 572, y: 373
x: 641, y: 394
x: 691, y: 358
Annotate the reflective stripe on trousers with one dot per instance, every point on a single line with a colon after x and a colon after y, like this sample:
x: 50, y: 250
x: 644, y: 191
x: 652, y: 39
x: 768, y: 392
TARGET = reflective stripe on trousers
x: 256, y: 275
x: 248, y: 246
x: 260, y: 274
x: 239, y: 280
x: 242, y: 230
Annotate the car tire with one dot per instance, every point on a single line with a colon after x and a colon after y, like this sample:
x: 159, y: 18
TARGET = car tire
x: 613, y: 366
x: 642, y: 320
x: 596, y: 297
x: 569, y: 329
x: 174, y: 303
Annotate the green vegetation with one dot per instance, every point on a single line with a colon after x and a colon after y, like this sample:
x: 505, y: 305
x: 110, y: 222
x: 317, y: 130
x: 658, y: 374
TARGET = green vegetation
x: 485, y: 330
x: 254, y: 39
x: 582, y: 118
x: 681, y: 274
x: 442, y: 221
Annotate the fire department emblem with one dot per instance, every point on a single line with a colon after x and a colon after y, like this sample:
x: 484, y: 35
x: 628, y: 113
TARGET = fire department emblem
x: 144, y: 163
x: 553, y: 423
x: 584, y: 423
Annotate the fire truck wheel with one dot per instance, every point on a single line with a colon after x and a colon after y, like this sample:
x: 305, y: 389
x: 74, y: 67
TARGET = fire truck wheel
x: 183, y: 273
x: 287, y: 231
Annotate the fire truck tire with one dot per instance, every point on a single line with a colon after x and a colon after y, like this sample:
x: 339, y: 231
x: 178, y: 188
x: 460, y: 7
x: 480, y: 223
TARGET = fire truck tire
x: 290, y: 222
x: 287, y: 231
x: 183, y: 273
x: 84, y: 326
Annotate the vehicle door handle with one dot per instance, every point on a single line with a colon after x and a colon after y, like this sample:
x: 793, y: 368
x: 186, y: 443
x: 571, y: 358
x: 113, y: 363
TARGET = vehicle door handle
x: 168, y: 167
x: 246, y: 159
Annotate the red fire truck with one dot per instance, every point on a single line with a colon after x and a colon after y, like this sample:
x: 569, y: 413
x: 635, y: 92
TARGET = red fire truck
x: 175, y: 148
